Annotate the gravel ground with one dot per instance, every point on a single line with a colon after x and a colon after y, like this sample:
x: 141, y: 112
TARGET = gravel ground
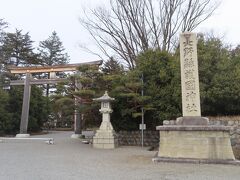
x: 69, y: 159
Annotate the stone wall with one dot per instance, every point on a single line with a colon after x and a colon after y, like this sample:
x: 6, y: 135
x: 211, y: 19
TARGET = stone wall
x: 133, y: 138
x: 234, y: 133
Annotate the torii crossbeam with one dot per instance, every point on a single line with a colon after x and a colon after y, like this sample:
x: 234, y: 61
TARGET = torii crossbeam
x: 29, y: 81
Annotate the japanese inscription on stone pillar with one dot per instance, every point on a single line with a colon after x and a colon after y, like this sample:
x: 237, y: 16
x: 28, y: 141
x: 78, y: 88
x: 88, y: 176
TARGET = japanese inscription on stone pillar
x: 189, y: 75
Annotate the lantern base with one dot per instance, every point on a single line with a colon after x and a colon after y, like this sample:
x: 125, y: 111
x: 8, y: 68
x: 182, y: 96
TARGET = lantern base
x: 105, y: 137
x: 104, y: 140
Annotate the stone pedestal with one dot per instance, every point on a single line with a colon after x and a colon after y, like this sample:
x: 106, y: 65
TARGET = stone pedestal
x: 195, y: 143
x: 105, y: 137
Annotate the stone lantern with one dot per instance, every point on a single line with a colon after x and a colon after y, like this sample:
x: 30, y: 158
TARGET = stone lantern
x: 105, y: 137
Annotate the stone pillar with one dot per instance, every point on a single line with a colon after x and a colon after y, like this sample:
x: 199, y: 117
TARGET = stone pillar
x: 77, y: 116
x: 190, y: 81
x: 25, y: 107
x: 189, y: 75
x: 105, y: 137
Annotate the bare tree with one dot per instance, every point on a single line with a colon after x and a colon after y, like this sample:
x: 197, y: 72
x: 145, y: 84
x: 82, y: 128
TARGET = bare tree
x: 133, y: 26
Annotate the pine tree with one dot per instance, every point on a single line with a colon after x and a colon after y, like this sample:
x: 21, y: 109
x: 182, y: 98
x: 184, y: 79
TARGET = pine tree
x: 52, y: 53
x: 17, y: 49
x: 3, y: 25
x: 6, y: 123
x: 112, y: 66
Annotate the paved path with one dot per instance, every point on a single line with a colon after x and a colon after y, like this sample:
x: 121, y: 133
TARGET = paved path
x: 69, y: 159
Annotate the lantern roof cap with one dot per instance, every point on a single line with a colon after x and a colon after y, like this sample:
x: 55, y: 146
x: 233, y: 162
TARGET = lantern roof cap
x: 104, y: 98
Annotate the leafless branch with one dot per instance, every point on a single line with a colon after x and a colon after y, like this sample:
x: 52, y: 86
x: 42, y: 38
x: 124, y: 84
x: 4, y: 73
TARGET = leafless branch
x: 130, y: 27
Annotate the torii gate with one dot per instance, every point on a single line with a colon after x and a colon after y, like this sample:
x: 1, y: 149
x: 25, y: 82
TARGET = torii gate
x: 27, y: 89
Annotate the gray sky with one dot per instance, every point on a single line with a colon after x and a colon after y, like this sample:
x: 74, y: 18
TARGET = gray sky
x: 41, y: 17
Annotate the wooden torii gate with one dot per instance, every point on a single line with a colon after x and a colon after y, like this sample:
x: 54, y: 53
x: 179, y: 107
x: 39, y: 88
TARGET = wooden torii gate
x: 29, y: 81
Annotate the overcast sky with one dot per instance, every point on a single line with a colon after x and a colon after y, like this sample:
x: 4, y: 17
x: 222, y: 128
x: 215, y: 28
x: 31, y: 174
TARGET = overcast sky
x: 41, y: 17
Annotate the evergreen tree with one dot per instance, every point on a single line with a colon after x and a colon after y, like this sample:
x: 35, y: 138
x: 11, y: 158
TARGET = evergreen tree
x: 17, y: 49
x: 3, y: 26
x: 112, y: 73
x: 219, y: 77
x: 62, y: 110
x: 38, y: 111
x: 161, y: 91
x: 112, y: 67
x: 52, y: 53
x: 91, y: 81
x: 6, y: 124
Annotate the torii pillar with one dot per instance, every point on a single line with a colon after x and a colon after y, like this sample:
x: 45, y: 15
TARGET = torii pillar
x: 25, y: 108
x: 77, y: 116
